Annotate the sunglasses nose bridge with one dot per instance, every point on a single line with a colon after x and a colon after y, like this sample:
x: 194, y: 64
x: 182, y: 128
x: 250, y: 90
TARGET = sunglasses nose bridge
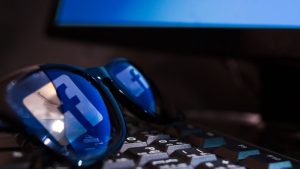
x: 101, y: 75
x: 131, y: 86
x: 98, y: 73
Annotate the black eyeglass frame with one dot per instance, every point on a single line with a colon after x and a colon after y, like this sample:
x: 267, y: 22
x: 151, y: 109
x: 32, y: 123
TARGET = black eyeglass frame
x: 115, y: 114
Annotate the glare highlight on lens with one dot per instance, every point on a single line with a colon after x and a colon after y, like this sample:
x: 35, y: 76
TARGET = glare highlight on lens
x: 58, y: 126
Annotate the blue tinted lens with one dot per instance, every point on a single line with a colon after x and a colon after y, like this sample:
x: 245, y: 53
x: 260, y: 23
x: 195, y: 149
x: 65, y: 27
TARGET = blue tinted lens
x: 65, y: 112
x: 133, y: 84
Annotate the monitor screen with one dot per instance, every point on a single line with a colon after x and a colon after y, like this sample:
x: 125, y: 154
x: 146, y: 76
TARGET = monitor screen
x: 179, y: 13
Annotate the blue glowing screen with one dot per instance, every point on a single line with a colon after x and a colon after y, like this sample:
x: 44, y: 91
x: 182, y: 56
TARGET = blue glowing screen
x: 180, y: 13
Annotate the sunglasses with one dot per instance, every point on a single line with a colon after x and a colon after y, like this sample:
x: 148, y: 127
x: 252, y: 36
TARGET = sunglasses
x: 76, y: 112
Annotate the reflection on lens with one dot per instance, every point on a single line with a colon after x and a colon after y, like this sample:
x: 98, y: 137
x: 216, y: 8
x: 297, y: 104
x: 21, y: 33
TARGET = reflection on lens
x: 57, y: 126
x: 133, y: 84
x: 47, y: 141
x: 64, y: 111
x: 44, y: 104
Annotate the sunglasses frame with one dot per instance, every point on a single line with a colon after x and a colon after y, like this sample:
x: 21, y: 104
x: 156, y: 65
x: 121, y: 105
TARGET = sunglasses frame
x: 115, y: 114
x: 159, y: 117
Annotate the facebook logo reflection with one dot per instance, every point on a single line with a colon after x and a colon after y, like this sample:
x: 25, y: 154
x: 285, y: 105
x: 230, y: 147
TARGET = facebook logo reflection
x: 134, y: 82
x: 71, y: 95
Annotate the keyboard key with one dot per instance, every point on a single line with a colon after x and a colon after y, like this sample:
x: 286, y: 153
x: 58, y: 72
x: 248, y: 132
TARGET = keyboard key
x: 119, y: 163
x: 171, y: 163
x: 170, y: 145
x: 132, y: 142
x: 266, y: 161
x: 219, y: 164
x: 206, y: 140
x: 193, y: 156
x: 142, y: 155
x: 150, y: 136
x: 235, y: 151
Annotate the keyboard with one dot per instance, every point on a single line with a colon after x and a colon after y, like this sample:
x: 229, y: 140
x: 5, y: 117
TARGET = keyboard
x: 149, y: 146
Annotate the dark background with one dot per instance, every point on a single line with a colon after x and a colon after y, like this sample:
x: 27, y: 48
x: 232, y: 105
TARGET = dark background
x: 226, y: 80
x: 191, y: 81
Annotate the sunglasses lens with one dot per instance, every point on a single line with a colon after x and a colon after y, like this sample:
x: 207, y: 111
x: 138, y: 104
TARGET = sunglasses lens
x: 133, y: 84
x: 64, y: 111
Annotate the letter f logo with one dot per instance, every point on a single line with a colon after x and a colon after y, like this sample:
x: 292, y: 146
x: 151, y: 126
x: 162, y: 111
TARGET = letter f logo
x: 73, y: 99
x: 134, y: 82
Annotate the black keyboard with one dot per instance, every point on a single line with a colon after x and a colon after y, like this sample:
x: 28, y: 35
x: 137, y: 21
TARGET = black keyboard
x: 175, y: 146
x: 181, y: 146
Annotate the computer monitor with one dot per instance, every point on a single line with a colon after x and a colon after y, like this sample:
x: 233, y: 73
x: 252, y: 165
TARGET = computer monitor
x: 179, y: 13
x: 249, y: 28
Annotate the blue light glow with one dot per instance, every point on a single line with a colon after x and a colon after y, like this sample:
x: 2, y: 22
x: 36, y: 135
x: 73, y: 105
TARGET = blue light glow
x: 180, y: 13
